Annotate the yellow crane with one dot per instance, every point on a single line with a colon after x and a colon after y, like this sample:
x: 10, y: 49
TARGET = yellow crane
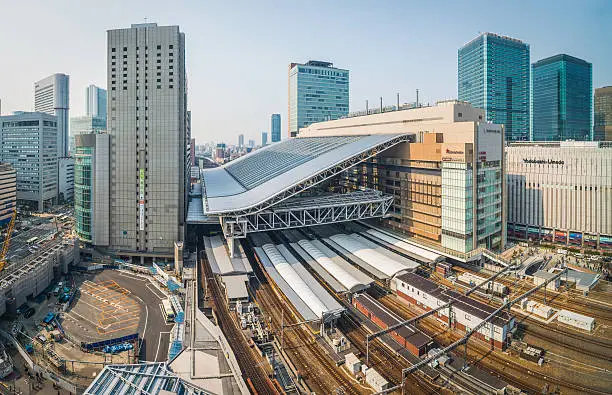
x: 7, y: 240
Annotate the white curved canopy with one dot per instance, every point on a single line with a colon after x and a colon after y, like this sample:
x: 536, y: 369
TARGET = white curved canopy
x: 422, y: 252
x: 373, y: 258
x: 294, y: 280
x: 345, y: 278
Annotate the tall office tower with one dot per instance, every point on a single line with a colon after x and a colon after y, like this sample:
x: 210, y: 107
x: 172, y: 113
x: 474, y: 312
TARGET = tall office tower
x: 241, y: 141
x: 275, y: 128
x: 147, y: 122
x: 603, y: 114
x: 494, y: 75
x: 51, y: 96
x: 91, y: 181
x: 561, y: 99
x: 65, y: 180
x: 251, y: 143
x: 317, y: 92
x: 32, y: 134
x: 95, y: 101
x: 192, y: 147
x: 85, y: 125
x: 8, y: 192
x: 264, y: 139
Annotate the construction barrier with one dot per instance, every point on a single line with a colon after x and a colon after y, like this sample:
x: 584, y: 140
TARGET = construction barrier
x: 89, y: 347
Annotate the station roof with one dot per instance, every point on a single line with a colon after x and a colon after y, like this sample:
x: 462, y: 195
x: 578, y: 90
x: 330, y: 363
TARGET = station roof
x: 145, y: 378
x: 258, y: 177
x: 220, y: 260
x: 235, y: 286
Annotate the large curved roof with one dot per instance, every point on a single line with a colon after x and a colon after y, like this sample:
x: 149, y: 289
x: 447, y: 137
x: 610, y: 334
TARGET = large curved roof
x: 281, y: 170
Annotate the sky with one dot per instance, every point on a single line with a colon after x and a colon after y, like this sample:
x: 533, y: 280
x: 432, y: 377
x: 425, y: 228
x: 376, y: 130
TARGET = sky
x: 238, y: 52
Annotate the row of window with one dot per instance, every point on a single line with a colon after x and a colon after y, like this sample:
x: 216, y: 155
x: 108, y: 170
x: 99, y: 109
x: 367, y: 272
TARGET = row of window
x: 146, y: 48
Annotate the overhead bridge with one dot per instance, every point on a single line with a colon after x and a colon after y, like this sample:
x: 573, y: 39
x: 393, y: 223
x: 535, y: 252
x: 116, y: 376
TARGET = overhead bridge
x: 263, y: 190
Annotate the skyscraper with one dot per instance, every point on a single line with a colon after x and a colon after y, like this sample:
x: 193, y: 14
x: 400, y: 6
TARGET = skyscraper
x: 85, y: 125
x: 317, y: 92
x: 8, y: 192
x: 51, y: 96
x: 264, y: 139
x: 494, y: 75
x: 32, y: 134
x: 95, y: 101
x: 561, y: 99
x: 147, y: 124
x: 241, y: 140
x: 603, y: 114
x: 275, y: 127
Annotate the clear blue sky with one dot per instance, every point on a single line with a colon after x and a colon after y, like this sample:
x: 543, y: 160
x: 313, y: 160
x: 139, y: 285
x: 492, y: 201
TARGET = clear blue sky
x: 238, y: 51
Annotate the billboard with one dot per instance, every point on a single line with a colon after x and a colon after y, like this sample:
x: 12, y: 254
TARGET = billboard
x: 141, y: 201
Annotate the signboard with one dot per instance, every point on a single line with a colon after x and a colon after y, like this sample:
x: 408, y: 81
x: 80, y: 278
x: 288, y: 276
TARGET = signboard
x: 142, y: 198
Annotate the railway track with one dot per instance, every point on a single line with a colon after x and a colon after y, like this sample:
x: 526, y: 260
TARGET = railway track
x: 511, y: 371
x: 385, y: 360
x: 306, y: 348
x: 258, y: 379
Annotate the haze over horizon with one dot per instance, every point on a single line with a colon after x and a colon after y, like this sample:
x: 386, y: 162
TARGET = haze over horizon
x: 238, y: 53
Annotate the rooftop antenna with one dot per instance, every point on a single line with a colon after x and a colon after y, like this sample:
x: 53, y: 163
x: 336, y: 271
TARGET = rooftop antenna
x: 367, y: 111
x: 397, y: 102
x: 381, y: 108
x: 417, y: 99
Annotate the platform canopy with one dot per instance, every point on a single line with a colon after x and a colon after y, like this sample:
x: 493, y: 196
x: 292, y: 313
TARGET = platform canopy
x: 274, y: 173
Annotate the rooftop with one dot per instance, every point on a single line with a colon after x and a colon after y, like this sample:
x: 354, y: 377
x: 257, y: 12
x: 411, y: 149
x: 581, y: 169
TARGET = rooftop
x: 560, y: 58
x: 279, y: 171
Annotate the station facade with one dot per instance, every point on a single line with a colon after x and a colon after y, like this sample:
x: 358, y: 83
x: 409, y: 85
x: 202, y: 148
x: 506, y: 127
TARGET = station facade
x: 447, y: 182
x: 561, y: 192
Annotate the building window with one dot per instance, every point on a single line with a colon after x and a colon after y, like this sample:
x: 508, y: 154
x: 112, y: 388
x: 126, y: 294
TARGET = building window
x: 171, y: 86
x: 159, y: 47
x: 112, y: 49
x: 125, y: 48
x: 170, y: 46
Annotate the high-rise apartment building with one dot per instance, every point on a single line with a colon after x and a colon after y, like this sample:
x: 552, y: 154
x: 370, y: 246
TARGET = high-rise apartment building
x: 28, y: 142
x: 561, y: 99
x: 264, y: 139
x: 8, y: 192
x: 95, y: 101
x: 275, y: 127
x: 52, y: 96
x: 317, y: 92
x: 147, y: 125
x: 603, y: 114
x: 241, y: 141
x: 494, y: 75
x: 91, y: 183
x: 448, y: 182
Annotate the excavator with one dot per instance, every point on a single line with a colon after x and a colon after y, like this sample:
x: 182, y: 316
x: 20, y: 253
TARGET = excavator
x: 7, y: 240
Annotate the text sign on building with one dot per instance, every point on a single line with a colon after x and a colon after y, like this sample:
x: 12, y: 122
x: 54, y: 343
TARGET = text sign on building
x: 141, y: 198
x: 544, y: 161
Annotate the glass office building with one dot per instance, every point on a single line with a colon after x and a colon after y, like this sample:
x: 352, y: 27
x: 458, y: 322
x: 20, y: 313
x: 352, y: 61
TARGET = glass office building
x: 603, y: 114
x: 494, y: 75
x: 276, y: 127
x: 317, y: 92
x: 85, y: 125
x: 561, y: 99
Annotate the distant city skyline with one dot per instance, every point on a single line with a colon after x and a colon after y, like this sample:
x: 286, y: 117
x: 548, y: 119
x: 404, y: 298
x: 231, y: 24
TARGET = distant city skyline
x: 246, y: 30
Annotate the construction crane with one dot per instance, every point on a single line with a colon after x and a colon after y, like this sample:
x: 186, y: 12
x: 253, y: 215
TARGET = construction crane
x: 7, y: 240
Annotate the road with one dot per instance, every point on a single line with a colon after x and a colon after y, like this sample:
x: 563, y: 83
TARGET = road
x: 155, y: 336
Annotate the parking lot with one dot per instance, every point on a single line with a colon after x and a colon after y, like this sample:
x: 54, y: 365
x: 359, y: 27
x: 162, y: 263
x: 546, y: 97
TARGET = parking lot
x: 111, y: 304
x: 103, y: 310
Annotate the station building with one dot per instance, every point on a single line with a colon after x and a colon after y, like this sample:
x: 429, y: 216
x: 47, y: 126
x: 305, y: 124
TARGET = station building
x: 447, y: 183
x: 561, y: 192
x: 464, y: 313
x: 434, y: 174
